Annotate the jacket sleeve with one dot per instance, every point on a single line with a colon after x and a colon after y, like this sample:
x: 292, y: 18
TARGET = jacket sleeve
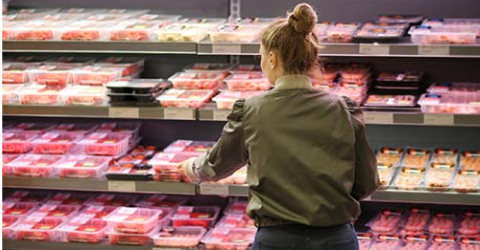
x: 366, y: 174
x: 227, y: 155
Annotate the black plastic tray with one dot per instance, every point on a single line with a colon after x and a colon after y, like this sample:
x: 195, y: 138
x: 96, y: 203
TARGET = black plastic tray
x: 138, y: 86
x: 357, y: 38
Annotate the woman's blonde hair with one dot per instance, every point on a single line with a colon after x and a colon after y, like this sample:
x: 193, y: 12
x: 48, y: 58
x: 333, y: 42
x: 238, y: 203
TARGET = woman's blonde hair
x: 294, y: 40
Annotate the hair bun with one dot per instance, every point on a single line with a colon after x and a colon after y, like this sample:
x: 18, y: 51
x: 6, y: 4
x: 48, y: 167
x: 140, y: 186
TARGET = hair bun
x: 303, y: 18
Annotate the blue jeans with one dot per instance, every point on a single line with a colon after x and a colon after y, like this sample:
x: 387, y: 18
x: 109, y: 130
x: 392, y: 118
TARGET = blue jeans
x: 298, y: 237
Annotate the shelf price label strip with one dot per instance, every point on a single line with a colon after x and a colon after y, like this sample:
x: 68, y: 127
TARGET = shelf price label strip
x: 374, y: 49
x: 438, y: 119
x: 226, y: 49
x: 179, y: 114
x: 122, y: 186
x: 123, y: 112
x: 214, y: 189
x: 434, y: 50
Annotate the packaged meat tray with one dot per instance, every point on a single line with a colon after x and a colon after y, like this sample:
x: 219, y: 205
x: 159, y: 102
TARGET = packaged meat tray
x: 414, y: 242
x: 86, y: 30
x: 38, y: 30
x: 402, y: 80
x: 9, y: 222
x: 229, y: 238
x: 132, y: 65
x: 355, y: 91
x: 320, y: 31
x: 364, y: 240
x: 454, y: 88
x: 168, y: 162
x: 55, y: 143
x: 182, y: 98
x: 28, y: 196
x: 20, y: 209
x: 385, y: 173
x: 399, y: 18
x: 441, y: 155
x: 83, y: 166
x: 117, y: 238
x: 97, y: 75
x: 195, y: 216
x: 41, y: 95
x: 79, y: 95
x: 130, y: 171
x: 183, y: 33
x: 77, y: 199
x: 439, y: 176
x: 409, y: 178
x: 31, y: 128
x: 210, y: 67
x: 7, y: 30
x: 7, y: 158
x: 167, y: 19
x: 417, y: 158
x: 17, y: 142
x: 469, y: 224
x: 84, y: 229
x: 467, y: 181
x: 444, y: 34
x: 63, y: 17
x: 236, y: 207
x: 390, y: 101
x: 442, y: 224
x: 64, y: 212
x: 235, y: 221
x: 56, y: 75
x: 450, y: 103
x: 247, y: 68
x: 138, y: 86
x: 380, y: 32
x: 386, y: 242
x: 14, y: 73
x: 469, y: 22
x: 442, y: 242
x: 106, y: 144
x: 245, y: 81
x: 131, y: 129
x: 355, y: 73
x: 75, y: 128
x: 469, y: 243
x: 341, y: 32
x: 416, y: 221
x: 116, y: 200
x: 77, y: 61
x: 162, y: 202
x: 183, y: 237
x: 386, y: 221
x: 109, y: 16
x: 390, y: 156
x: 136, y: 30
x: 97, y: 212
x: 39, y: 229
x: 133, y: 99
x: 147, y: 152
x: 226, y: 99
x: 470, y: 160
x: 10, y: 93
x: 133, y: 220
x: 239, y: 177
x: 186, y: 146
x: 198, y: 80
x: 235, y: 33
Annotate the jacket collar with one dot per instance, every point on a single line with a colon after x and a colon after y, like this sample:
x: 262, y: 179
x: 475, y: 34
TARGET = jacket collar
x: 293, y: 82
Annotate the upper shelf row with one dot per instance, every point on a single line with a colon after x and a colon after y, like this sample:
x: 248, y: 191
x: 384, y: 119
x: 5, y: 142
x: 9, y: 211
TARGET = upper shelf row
x: 405, y: 49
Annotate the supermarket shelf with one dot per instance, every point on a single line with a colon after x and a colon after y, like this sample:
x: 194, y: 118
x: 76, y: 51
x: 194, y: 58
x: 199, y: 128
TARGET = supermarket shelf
x: 223, y: 190
x: 100, y: 185
x: 100, y: 47
x: 40, y: 245
x: 394, y: 195
x: 101, y: 112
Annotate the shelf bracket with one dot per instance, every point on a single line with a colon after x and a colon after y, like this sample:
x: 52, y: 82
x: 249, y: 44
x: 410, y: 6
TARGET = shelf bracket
x: 234, y: 10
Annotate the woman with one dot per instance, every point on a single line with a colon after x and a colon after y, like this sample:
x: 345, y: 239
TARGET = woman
x: 308, y: 160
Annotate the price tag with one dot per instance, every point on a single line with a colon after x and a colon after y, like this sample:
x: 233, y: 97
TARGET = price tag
x: 214, y: 189
x: 434, y: 50
x: 378, y: 118
x: 438, y: 119
x: 220, y: 115
x: 121, y: 186
x: 179, y: 113
x: 226, y: 49
x: 374, y: 49
x: 116, y: 112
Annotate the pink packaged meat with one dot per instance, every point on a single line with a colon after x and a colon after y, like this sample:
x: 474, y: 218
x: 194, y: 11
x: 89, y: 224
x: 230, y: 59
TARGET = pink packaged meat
x: 39, y: 229
x: 414, y: 242
x: 133, y: 220
x: 20, y: 209
x: 470, y: 160
x: 182, y: 98
x: 442, y: 243
x: 83, y: 166
x: 10, y: 93
x: 133, y: 66
x: 166, y: 164
x: 450, y: 103
x: 386, y: 242
x: 467, y: 181
x: 41, y: 95
x: 31, y: 128
x: 442, y: 224
x: 64, y: 212
x: 77, y: 199
x: 56, y: 143
x: 162, y: 202
x: 7, y: 158
x: 97, y: 75
x: 247, y: 81
x: 198, y: 80
x: 235, y: 221
x: 441, y: 155
x: 111, y: 200
x: 341, y: 32
x: 9, y: 222
x: 35, y: 165
x: 417, y: 158
x: 387, y: 221
x: 236, y: 207
x: 97, y: 212
x: 85, y: 95
x: 416, y: 221
x: 37, y: 197
x: 106, y: 144
x: 117, y: 238
x: 469, y: 224
x: 15, y: 73
x: 226, y: 99
x: 469, y: 243
x: 229, y: 238
x: 38, y: 30
x: 184, y: 237
x: 75, y: 128
x: 439, y: 176
x: 52, y: 74
x: 454, y: 34
x: 187, y: 146
x: 84, y: 229
x: 182, y: 32
x: 364, y: 240
x: 195, y: 216
x: 17, y: 142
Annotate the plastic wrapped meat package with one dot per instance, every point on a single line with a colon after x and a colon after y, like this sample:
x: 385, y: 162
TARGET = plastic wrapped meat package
x: 131, y: 220
x: 355, y: 91
x: 386, y: 242
x: 106, y: 144
x: 187, y: 146
x: 162, y: 202
x: 166, y: 165
x: 469, y: 243
x: 468, y: 22
x: 36, y: 197
x: 364, y: 240
x: 341, y: 32
x: 239, y: 177
x: 470, y: 160
x: 235, y: 221
x: 416, y: 222
x: 15, y: 73
x: 380, y: 32
x: 68, y: 198
x: 385, y: 174
x: 116, y: 200
x: 409, y: 178
x: 83, y: 166
x: 9, y: 222
x: 131, y: 129
x: 7, y: 158
x: 97, y: 212
x: 442, y: 224
x: 59, y: 74
x: 469, y: 224
x: 417, y: 158
x: 236, y: 207
x: 399, y: 18
x: 75, y: 128
x: 450, y: 103
x: 38, y: 30
x: 390, y: 156
x: 355, y: 73
x: 64, y: 212
x: 83, y: 229
x: 236, y: 33
x: 20, y: 209
x: 444, y: 34
x: 445, y: 156
x: 247, y: 81
x: 414, y: 242
x: 221, y: 68
x: 39, y: 229
x: 85, y: 95
x: 10, y: 93
x: 195, y: 216
x: 97, y: 75
x: 179, y: 32
x: 387, y: 221
x: 247, y: 68
x: 467, y: 181
x: 320, y: 31
x: 76, y: 61
x: 182, y: 98
x: 399, y: 82
x: 439, y: 177
x: 184, y: 237
x: 138, y: 86
x: 17, y: 142
x: 196, y: 80
x: 226, y: 99
x: 7, y: 30
x: 390, y: 101
x: 229, y: 238
x: 136, y: 30
x: 56, y: 143
x: 133, y: 65
x: 31, y: 128
x: 117, y: 238
x: 41, y: 95
x: 454, y: 88
x: 442, y: 243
